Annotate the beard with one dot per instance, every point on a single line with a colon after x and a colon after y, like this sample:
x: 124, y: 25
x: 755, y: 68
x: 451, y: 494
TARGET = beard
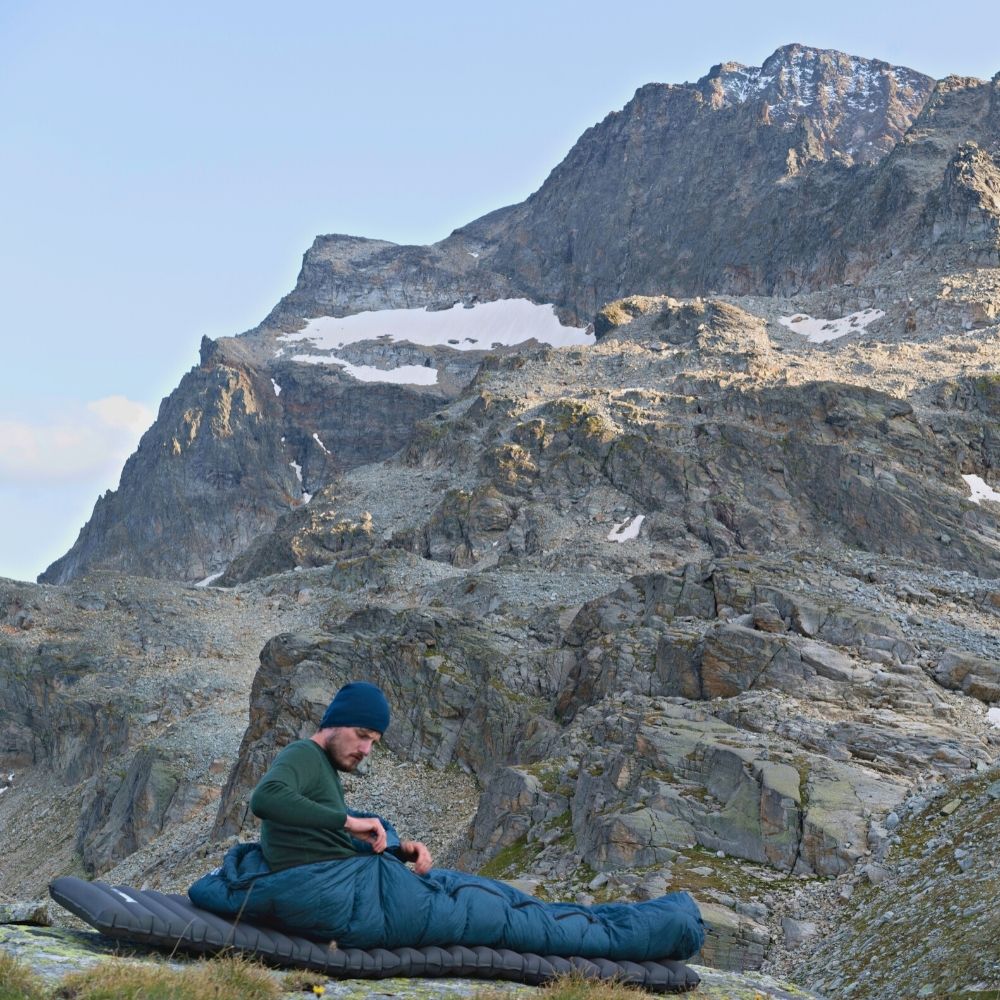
x: 340, y: 758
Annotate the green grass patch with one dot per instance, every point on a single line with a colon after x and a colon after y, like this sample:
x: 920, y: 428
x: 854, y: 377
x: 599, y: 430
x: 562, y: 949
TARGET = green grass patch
x: 733, y: 876
x: 563, y: 822
x: 549, y: 775
x: 940, y: 947
x: 222, y: 977
x: 511, y: 860
x: 17, y: 981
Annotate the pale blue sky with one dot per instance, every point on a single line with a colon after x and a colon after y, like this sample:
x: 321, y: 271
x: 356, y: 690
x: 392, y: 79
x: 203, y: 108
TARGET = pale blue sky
x: 163, y: 166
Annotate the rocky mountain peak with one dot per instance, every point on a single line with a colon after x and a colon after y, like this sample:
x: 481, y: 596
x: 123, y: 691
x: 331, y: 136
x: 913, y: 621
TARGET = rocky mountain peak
x: 861, y: 107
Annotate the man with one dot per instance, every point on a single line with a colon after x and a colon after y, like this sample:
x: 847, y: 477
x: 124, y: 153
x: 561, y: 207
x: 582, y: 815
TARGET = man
x: 300, y: 800
x: 308, y: 876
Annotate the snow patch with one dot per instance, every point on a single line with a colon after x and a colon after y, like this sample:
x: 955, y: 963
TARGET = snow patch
x: 862, y: 87
x: 627, y: 530
x: 306, y: 497
x: 403, y: 375
x: 316, y: 438
x: 981, y: 490
x: 993, y: 717
x: 506, y: 322
x: 818, y: 331
x: 742, y: 84
x: 277, y: 388
x: 209, y: 580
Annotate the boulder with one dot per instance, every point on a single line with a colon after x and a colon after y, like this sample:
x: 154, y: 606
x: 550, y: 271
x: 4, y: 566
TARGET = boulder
x: 974, y: 675
x: 34, y: 913
x: 767, y: 618
x: 735, y: 659
x: 672, y: 777
x: 733, y: 941
x: 123, y: 812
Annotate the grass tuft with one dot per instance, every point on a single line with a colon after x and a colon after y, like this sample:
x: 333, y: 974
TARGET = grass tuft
x: 17, y: 981
x: 212, y: 980
x: 576, y: 987
x: 305, y: 980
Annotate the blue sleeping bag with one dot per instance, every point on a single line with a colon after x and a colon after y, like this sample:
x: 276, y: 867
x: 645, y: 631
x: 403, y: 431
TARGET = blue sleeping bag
x: 375, y: 900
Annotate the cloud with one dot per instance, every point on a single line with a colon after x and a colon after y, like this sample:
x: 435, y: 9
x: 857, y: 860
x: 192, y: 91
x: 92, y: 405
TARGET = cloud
x: 81, y: 443
x: 117, y: 411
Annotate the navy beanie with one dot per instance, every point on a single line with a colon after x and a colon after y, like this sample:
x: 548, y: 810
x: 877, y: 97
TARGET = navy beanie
x: 358, y: 704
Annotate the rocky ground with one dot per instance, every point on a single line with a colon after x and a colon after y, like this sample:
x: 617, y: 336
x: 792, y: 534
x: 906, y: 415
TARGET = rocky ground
x: 54, y: 952
x: 922, y: 922
x: 108, y: 672
x: 703, y: 606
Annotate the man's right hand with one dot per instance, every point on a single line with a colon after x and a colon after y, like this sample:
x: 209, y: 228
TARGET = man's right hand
x: 367, y: 829
x: 413, y: 850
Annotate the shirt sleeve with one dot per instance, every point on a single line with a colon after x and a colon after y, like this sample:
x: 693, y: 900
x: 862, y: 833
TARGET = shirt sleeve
x: 279, y: 798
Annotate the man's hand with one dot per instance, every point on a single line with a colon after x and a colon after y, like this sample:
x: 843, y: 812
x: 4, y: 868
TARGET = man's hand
x: 417, y: 853
x: 367, y: 829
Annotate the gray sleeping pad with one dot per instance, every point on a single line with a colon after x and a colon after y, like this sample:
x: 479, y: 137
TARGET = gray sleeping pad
x: 170, y: 920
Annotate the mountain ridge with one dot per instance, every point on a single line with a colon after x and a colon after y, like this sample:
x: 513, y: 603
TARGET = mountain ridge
x: 646, y: 201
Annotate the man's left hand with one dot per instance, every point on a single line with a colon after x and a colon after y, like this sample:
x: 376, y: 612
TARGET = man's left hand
x: 417, y: 853
x: 368, y: 829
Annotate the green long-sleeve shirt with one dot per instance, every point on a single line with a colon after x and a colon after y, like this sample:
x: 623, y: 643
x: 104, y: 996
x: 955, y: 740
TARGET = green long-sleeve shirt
x: 301, y: 805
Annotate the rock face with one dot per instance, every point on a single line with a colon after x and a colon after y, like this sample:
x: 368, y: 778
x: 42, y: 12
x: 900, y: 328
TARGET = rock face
x: 214, y: 450
x: 346, y: 274
x: 440, y: 675
x: 674, y: 627
x: 46, y: 721
x: 228, y: 455
x: 119, y: 817
x: 121, y: 702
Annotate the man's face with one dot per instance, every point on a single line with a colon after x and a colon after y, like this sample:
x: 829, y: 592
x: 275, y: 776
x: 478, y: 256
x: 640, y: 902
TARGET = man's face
x: 347, y: 746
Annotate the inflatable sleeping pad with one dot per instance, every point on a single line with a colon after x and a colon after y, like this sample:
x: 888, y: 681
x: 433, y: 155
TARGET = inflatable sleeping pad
x: 171, y: 921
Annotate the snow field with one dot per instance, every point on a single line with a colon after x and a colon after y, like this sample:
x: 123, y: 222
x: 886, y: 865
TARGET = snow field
x: 818, y: 331
x: 481, y: 328
x: 980, y: 490
x: 627, y: 530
